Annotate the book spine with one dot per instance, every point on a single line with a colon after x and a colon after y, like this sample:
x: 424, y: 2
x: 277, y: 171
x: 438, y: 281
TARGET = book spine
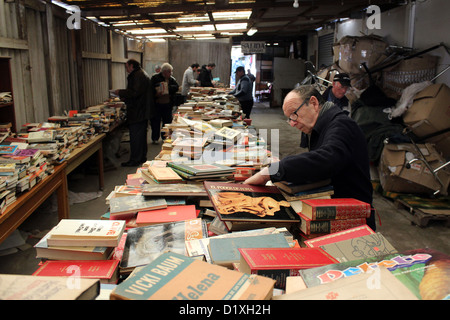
x: 170, y: 164
x: 331, y: 226
x: 341, y: 212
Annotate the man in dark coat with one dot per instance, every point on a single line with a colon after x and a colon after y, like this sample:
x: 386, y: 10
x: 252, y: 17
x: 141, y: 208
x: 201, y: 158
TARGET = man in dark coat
x: 244, y: 91
x: 205, y: 77
x: 138, y: 99
x: 338, y: 149
x: 336, y: 92
x: 164, y: 88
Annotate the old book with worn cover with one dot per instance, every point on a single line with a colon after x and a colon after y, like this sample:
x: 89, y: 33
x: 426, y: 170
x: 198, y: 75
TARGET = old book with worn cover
x: 123, y: 206
x: 173, y: 276
x: 104, y: 270
x: 252, y: 204
x: 225, y: 251
x: 164, y: 174
x: 292, y: 189
x: 145, y: 244
x: 363, y: 247
x: 79, y: 232
x: 308, y: 226
x: 169, y: 214
x: 351, y: 233
x: 27, y: 287
x: 338, y: 208
x: 279, y: 263
x: 174, y: 189
x: 378, y: 285
x: 201, y: 168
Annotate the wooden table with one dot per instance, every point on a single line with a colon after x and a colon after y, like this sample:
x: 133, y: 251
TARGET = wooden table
x: 29, y: 201
x: 79, y: 155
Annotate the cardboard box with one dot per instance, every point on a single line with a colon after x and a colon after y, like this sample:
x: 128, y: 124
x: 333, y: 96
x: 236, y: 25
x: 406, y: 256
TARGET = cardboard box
x: 350, y: 52
x: 442, y: 144
x: 397, y: 176
x: 430, y: 111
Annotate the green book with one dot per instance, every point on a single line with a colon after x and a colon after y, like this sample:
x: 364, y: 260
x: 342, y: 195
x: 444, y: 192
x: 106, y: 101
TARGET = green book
x: 224, y: 251
x: 200, y: 168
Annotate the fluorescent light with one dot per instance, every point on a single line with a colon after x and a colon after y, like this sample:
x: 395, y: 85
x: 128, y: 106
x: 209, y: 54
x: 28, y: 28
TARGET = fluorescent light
x: 206, y: 27
x: 231, y: 26
x: 145, y: 31
x: 252, y: 31
x: 231, y: 15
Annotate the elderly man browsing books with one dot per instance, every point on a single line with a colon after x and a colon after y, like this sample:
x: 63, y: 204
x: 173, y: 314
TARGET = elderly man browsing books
x: 337, y: 149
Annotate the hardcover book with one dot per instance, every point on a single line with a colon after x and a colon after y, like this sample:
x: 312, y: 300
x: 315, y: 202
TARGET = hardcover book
x: 338, y: 208
x: 249, y: 203
x: 176, y: 277
x: 201, y: 168
x: 225, y: 251
x: 360, y: 248
x: 175, y: 189
x: 164, y: 174
x: 78, y: 232
x: 279, y: 263
x: 27, y: 287
x: 351, y: 233
x: 43, y: 251
x: 123, y: 206
x: 145, y: 244
x: 291, y: 188
x: 308, y: 226
x: 104, y: 270
x: 169, y: 214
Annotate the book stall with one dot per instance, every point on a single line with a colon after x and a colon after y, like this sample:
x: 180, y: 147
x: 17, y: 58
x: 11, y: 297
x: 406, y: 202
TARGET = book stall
x: 185, y: 226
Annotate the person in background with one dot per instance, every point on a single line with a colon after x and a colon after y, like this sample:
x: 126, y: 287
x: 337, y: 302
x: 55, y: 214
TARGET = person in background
x: 138, y: 100
x: 157, y: 69
x: 244, y: 91
x: 189, y: 80
x: 338, y: 149
x: 205, y: 77
x: 250, y: 75
x: 336, y: 92
x: 164, y: 88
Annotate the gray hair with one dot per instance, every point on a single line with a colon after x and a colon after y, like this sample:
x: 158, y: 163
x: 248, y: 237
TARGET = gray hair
x: 166, y: 66
x: 306, y: 92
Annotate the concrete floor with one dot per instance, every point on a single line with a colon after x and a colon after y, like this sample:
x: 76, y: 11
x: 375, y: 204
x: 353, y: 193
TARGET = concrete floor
x: 83, y: 183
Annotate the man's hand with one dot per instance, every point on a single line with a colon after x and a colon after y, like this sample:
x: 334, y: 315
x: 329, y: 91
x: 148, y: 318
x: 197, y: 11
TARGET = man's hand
x: 260, y: 178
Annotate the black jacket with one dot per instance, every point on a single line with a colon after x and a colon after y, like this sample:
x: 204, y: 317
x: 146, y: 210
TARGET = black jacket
x: 137, y: 96
x: 329, y: 96
x: 338, y: 150
x: 205, y: 77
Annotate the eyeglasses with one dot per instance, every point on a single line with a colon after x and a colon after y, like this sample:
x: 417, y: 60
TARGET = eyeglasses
x: 294, y: 115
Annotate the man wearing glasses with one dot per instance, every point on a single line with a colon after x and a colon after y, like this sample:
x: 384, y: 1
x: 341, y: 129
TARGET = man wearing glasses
x: 337, y: 149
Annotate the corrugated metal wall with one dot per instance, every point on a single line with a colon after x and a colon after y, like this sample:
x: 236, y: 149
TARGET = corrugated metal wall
x: 118, y: 60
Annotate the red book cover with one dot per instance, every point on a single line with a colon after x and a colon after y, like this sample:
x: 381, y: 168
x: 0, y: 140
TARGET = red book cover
x: 351, y: 233
x: 278, y: 263
x: 338, y: 208
x: 308, y: 226
x: 169, y: 214
x: 105, y: 270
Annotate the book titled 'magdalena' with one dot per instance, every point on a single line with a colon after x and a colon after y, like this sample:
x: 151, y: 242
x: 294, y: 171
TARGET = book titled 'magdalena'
x: 176, y: 277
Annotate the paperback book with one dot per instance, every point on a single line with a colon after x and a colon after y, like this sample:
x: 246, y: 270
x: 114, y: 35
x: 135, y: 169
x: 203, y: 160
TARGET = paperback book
x: 201, y: 168
x: 170, y: 214
x: 348, y: 234
x: 173, y: 276
x: 145, y: 244
x: 175, y: 189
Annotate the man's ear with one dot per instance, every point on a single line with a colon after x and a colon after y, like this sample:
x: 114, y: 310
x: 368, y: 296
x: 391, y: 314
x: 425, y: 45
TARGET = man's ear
x: 314, y: 102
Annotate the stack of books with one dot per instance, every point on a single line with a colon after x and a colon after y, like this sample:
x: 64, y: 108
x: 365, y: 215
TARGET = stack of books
x: 84, y: 248
x: 201, y: 171
x: 324, y: 216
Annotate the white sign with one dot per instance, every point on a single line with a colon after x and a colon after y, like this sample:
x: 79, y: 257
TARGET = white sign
x: 253, y: 47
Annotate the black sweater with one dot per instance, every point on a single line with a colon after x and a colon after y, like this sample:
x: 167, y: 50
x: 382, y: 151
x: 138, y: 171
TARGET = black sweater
x: 338, y: 150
